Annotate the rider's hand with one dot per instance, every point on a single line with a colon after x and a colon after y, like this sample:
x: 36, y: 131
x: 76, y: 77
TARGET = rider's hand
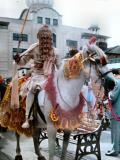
x: 16, y: 58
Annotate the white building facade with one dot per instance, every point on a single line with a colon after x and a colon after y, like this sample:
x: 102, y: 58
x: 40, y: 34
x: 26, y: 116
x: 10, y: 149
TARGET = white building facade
x: 40, y: 12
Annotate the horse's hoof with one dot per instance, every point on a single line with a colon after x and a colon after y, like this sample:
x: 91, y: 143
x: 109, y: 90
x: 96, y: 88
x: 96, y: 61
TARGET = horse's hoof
x: 18, y: 157
x: 41, y: 158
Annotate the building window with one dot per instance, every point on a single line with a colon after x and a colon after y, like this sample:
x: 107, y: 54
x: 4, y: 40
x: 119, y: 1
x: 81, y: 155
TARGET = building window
x: 18, y: 50
x: 24, y: 37
x: 4, y: 25
x: 20, y: 37
x: 47, y: 21
x: 55, y: 22
x: 54, y: 39
x: 40, y: 20
x: 72, y: 43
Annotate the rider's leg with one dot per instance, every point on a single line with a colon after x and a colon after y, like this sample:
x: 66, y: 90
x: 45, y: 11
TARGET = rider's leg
x: 29, y: 102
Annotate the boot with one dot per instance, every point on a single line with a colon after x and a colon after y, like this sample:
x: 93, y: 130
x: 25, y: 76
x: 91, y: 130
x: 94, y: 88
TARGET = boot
x: 26, y: 123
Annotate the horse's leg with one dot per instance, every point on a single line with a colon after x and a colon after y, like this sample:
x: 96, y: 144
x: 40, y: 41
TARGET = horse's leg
x: 18, y: 151
x: 65, y: 144
x: 51, y: 130
x: 36, y: 145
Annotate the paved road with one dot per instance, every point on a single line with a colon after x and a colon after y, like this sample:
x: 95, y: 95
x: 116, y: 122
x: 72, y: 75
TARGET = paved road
x: 8, y: 145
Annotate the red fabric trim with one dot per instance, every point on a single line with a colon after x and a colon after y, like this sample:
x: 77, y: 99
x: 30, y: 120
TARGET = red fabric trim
x: 50, y: 89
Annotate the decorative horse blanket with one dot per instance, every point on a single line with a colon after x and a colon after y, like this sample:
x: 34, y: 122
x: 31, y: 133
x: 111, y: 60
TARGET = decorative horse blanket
x: 72, y: 119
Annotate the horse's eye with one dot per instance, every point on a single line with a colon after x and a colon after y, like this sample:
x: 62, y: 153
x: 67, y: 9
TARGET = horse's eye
x: 97, y: 61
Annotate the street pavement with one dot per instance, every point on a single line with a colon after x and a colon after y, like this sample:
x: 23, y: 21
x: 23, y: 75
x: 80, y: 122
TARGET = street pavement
x: 8, y: 148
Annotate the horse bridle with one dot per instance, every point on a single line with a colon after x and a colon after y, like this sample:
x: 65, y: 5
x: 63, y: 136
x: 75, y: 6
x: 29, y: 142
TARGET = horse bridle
x: 96, y: 62
x: 61, y: 94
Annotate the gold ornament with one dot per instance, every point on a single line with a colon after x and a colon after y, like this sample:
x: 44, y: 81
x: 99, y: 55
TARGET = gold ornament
x: 73, y: 66
x: 53, y: 116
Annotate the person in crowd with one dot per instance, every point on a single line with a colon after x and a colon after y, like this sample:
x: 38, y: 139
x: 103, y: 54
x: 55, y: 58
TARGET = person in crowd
x: 112, y: 86
x: 45, y: 60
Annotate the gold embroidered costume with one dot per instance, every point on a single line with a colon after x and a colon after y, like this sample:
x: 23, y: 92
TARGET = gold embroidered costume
x: 73, y: 66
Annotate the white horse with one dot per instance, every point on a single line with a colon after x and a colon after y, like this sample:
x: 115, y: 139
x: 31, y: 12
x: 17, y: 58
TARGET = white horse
x: 66, y: 94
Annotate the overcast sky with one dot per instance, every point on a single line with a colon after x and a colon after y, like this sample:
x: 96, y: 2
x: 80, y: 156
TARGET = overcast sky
x: 78, y: 13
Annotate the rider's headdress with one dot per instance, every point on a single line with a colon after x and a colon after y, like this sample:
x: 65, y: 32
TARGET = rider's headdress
x: 45, y: 39
x: 44, y: 32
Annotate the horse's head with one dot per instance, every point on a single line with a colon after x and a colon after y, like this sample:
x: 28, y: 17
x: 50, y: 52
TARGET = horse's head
x: 95, y: 62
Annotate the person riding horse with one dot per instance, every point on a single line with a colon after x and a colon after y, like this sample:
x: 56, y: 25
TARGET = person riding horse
x: 45, y: 60
x: 62, y: 107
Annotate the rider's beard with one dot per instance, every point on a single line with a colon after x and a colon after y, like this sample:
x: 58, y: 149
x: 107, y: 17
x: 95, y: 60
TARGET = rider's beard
x: 45, y: 48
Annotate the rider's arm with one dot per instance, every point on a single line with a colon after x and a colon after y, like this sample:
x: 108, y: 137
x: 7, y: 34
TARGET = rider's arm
x: 27, y: 55
x: 25, y: 58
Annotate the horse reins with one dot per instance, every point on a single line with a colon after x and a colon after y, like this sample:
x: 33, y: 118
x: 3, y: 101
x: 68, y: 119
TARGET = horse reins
x: 61, y: 94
